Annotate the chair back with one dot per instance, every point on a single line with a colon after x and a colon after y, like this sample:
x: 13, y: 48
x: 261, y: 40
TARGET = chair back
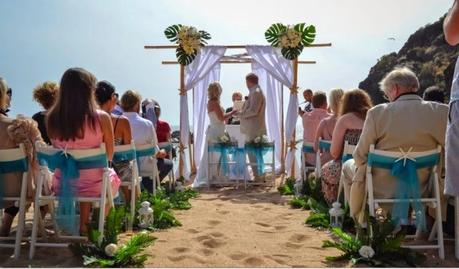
x: 13, y: 160
x: 166, y: 146
x: 85, y: 158
x: 324, y: 145
x: 145, y: 150
x: 347, y: 151
x: 308, y: 147
x: 125, y: 153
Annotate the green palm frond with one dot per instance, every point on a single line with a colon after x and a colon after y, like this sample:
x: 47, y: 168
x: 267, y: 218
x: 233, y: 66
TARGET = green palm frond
x: 184, y: 58
x: 307, y: 35
x: 171, y: 32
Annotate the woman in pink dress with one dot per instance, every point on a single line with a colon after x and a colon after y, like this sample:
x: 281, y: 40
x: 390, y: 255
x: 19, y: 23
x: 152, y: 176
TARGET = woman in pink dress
x: 75, y: 123
x: 327, y: 125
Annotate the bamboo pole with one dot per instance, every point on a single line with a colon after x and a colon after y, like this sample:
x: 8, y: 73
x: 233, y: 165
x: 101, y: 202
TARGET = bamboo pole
x: 182, y: 147
x: 282, y: 133
x: 245, y: 61
x: 317, y: 45
x: 293, y: 91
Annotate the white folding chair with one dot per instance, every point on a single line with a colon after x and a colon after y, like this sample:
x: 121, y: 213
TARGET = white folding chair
x: 149, y: 151
x: 15, y: 160
x: 167, y: 146
x: 347, y: 155
x: 305, y: 167
x: 128, y: 153
x: 82, y: 158
x: 420, y: 158
x: 324, y: 146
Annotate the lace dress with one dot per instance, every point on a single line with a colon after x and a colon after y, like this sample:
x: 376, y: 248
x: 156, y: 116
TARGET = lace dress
x: 331, y: 171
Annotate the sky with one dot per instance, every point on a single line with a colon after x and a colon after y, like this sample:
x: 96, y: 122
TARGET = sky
x: 40, y: 39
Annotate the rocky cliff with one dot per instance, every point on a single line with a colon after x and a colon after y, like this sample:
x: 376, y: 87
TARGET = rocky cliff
x: 426, y: 53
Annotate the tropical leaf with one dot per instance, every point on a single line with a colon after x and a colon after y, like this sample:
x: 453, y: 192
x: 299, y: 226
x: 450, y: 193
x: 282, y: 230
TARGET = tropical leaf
x: 184, y: 58
x: 318, y: 220
x: 204, y: 35
x: 273, y: 32
x: 172, y: 31
x: 308, y: 33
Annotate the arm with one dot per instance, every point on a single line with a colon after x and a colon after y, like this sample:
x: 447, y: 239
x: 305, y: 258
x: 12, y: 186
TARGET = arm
x: 318, y: 135
x: 368, y: 137
x: 126, y: 127
x: 215, y: 107
x: 107, y: 131
x: 451, y: 25
x: 338, y: 138
x: 255, y: 105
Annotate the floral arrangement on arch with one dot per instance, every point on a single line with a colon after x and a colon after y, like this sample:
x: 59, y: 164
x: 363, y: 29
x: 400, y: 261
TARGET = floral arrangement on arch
x: 291, y: 39
x: 189, y: 41
x: 260, y: 141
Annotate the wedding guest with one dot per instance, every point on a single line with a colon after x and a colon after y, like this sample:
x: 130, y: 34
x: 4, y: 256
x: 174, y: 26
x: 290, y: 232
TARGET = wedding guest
x: 236, y: 97
x: 12, y: 133
x: 327, y: 125
x: 307, y: 94
x: 143, y: 132
x: 74, y: 122
x: 9, y: 94
x: 148, y: 111
x: 311, y: 121
x: 353, y: 111
x: 434, y: 94
x: 106, y: 97
x: 407, y: 123
x: 451, y: 31
x: 45, y: 94
x: 163, y: 129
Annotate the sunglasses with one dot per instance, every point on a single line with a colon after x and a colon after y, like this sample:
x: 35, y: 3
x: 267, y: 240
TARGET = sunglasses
x: 9, y: 92
x: 116, y: 95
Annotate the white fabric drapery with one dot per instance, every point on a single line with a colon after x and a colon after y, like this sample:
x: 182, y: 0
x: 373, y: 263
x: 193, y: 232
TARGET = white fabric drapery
x: 195, y: 72
x: 280, y: 69
x: 201, y: 119
x: 272, y: 90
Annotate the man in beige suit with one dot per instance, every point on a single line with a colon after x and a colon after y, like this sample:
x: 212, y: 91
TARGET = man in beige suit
x: 252, y: 115
x: 406, y: 122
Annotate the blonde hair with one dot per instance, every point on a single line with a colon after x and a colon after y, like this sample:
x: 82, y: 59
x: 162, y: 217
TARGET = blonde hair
x: 335, y: 97
x: 214, y: 91
x: 130, y: 99
x: 402, y: 76
x: 3, y: 90
x: 46, y: 94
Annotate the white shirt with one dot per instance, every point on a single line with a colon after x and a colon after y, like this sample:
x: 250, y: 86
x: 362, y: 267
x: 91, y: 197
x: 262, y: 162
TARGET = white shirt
x: 455, y: 84
x: 143, y: 132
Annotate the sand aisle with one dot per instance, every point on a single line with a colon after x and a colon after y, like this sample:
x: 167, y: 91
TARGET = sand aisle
x: 237, y: 229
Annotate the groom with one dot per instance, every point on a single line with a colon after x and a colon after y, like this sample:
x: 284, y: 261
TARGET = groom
x: 252, y: 115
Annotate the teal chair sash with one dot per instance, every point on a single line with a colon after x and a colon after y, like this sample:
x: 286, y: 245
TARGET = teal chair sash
x: 408, y: 187
x: 21, y: 165
x: 308, y: 149
x: 324, y: 145
x: 259, y: 152
x: 128, y: 155
x: 70, y: 172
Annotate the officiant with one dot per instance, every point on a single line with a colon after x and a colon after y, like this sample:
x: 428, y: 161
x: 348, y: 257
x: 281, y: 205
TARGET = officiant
x: 237, y: 104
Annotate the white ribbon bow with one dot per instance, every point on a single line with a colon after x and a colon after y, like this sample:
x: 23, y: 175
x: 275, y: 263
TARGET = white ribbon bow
x: 405, y: 156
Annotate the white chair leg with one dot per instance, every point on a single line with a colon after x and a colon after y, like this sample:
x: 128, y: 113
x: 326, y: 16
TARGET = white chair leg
x: 36, y: 216
x: 441, y: 246
x: 456, y: 224
x: 133, y: 197
x: 21, y: 218
x: 103, y: 201
x: 433, y: 233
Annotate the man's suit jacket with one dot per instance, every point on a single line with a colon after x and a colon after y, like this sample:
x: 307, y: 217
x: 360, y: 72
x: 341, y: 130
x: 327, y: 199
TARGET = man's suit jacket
x: 407, y: 122
x: 253, y: 115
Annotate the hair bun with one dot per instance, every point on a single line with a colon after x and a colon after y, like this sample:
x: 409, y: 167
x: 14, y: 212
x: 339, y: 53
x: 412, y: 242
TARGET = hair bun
x: 104, y: 91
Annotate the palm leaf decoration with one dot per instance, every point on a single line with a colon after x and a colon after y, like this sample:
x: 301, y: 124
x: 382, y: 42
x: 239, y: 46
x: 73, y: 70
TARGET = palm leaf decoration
x: 276, y: 31
x: 185, y: 57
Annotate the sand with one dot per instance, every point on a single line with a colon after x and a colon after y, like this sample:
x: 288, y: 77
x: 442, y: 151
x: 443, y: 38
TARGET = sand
x: 229, y: 228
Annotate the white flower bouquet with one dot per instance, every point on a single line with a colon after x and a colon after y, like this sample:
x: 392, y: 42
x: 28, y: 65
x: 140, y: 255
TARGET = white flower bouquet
x: 189, y: 41
x: 291, y: 39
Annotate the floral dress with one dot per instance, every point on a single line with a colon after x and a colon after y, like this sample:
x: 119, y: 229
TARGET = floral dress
x: 331, y: 171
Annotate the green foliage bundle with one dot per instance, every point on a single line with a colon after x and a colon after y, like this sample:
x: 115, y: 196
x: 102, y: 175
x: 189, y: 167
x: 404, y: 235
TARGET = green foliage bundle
x: 288, y: 187
x: 375, y: 246
x: 107, y: 253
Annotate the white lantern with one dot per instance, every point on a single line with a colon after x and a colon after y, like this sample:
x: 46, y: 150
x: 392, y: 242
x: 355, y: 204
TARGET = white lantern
x: 298, y: 187
x: 145, y: 217
x: 179, y: 186
x: 336, y: 215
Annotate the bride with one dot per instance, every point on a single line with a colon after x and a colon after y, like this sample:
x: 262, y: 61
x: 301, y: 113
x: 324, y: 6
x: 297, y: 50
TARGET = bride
x: 215, y: 130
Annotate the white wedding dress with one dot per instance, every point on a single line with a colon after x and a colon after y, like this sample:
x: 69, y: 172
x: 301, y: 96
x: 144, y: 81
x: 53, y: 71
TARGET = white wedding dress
x: 215, y: 130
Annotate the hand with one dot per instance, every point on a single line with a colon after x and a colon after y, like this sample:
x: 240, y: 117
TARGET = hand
x: 161, y: 154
